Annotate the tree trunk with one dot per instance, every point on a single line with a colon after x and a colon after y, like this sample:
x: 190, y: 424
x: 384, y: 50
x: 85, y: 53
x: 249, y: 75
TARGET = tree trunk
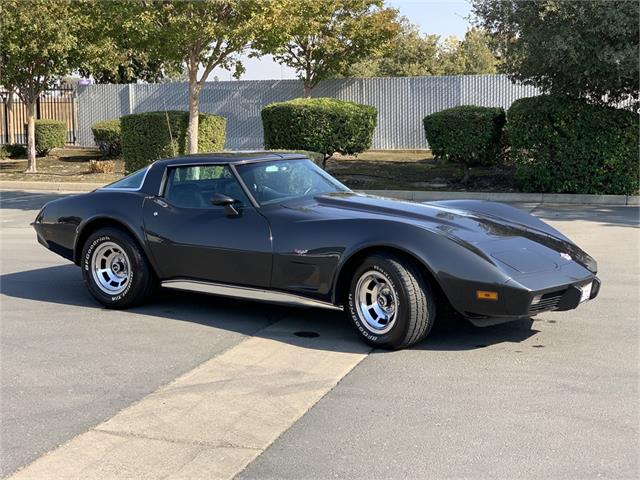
x: 307, y: 90
x: 31, y: 136
x: 194, y: 116
x: 324, y: 161
x: 465, y: 177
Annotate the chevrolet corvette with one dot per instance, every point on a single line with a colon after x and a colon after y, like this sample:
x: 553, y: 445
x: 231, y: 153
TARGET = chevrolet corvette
x: 276, y: 227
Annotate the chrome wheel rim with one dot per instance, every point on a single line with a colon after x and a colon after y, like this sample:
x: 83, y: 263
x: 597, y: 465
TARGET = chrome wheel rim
x: 110, y: 267
x: 377, y: 302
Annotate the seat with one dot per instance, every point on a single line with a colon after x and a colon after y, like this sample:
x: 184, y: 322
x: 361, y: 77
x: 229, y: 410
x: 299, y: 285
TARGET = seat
x: 186, y: 195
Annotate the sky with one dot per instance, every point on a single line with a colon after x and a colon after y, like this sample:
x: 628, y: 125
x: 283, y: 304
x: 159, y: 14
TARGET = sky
x: 440, y: 17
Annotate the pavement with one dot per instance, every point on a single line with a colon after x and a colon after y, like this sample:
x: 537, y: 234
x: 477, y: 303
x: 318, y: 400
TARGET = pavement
x: 193, y: 386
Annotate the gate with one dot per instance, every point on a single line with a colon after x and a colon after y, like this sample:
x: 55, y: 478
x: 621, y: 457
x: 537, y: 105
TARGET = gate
x: 53, y: 104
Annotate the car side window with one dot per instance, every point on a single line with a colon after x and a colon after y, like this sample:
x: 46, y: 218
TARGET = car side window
x: 193, y: 186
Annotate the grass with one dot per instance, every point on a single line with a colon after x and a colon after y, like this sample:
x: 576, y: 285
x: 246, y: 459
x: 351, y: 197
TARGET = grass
x: 63, y: 165
x: 371, y: 170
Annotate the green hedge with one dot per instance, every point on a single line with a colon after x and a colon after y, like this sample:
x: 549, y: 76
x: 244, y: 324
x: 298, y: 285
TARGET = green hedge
x: 322, y: 125
x: 12, y: 150
x: 16, y: 150
x: 563, y: 145
x: 468, y: 135
x: 315, y: 157
x: 107, y: 137
x: 50, y: 134
x: 150, y: 136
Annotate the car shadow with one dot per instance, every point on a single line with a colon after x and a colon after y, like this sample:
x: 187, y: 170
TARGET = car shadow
x: 455, y: 333
x: 313, y: 328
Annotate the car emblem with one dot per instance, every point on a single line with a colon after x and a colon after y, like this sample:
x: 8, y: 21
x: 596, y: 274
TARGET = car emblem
x: 298, y: 251
x: 566, y: 256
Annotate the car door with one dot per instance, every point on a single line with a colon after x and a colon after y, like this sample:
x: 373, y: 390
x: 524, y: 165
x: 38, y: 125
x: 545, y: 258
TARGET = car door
x: 191, y: 238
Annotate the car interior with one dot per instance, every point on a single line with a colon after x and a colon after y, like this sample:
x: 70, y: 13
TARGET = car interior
x: 198, y: 193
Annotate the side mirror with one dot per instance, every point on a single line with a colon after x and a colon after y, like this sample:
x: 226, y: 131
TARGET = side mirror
x: 225, y: 201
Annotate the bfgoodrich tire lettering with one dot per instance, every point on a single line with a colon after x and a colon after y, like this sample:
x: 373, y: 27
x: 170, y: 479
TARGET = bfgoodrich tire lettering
x: 390, y: 302
x: 125, y: 277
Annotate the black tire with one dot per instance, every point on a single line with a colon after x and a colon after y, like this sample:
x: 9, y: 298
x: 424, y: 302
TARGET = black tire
x: 415, y: 308
x: 140, y: 280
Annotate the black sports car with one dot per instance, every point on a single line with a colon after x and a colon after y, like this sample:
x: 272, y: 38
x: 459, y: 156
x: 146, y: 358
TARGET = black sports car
x: 276, y: 227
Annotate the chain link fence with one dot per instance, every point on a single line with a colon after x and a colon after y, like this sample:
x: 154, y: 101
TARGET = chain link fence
x: 402, y: 103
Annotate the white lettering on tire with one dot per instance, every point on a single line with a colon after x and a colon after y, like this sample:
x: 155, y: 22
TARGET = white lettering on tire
x: 87, y: 262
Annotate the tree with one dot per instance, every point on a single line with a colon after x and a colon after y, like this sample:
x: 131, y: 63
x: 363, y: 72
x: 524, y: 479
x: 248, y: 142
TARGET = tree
x: 321, y: 39
x: 479, y: 59
x: 129, y: 28
x: 414, y: 54
x: 450, y: 56
x: 582, y: 48
x: 130, y: 72
x: 409, y: 54
x: 198, y: 36
x: 471, y: 56
x: 41, y: 41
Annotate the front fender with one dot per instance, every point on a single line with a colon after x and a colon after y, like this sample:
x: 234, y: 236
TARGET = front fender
x: 458, y: 267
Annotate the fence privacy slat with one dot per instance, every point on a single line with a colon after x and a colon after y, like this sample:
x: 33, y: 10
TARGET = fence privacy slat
x: 402, y: 102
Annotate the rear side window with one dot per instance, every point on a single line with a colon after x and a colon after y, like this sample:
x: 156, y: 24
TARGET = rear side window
x: 193, y: 186
x: 130, y: 182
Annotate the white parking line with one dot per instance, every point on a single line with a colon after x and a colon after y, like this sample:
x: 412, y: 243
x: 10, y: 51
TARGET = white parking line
x: 214, y: 420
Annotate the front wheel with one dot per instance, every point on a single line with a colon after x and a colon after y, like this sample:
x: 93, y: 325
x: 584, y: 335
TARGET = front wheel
x: 390, y: 302
x: 115, y: 270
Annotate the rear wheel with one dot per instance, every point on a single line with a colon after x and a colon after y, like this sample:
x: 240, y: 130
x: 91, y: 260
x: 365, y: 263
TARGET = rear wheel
x: 115, y: 270
x: 390, y: 302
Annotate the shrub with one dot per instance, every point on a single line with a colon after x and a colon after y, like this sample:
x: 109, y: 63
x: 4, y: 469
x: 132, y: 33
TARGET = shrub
x: 468, y: 135
x: 315, y: 157
x: 150, y: 136
x: 323, y: 125
x: 106, y: 136
x: 563, y: 145
x: 12, y: 150
x: 102, y: 166
x: 50, y: 134
x: 16, y: 150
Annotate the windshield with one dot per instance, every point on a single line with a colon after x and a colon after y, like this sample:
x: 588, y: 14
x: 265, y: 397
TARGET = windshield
x: 272, y: 182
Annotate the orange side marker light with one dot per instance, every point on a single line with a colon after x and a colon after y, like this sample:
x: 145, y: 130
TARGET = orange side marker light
x: 486, y: 295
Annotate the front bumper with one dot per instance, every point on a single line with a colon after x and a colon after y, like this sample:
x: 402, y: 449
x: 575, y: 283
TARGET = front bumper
x: 564, y: 299
x: 520, y: 303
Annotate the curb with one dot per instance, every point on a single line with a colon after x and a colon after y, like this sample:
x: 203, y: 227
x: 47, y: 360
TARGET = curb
x: 413, y: 195
x: 567, y: 198
x: 50, y: 186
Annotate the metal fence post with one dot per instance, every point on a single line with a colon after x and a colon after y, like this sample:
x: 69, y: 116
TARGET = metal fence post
x: 131, y: 94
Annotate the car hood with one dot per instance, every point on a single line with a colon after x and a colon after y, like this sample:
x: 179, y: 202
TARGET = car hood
x: 507, y: 235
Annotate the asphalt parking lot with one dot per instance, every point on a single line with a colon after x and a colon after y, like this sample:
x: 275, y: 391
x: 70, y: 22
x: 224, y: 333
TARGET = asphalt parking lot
x: 198, y: 386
